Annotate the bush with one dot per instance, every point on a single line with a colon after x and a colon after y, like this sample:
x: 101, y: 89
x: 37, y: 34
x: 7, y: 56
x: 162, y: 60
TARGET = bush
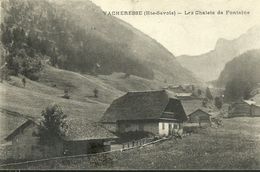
x: 218, y: 102
x: 33, y: 76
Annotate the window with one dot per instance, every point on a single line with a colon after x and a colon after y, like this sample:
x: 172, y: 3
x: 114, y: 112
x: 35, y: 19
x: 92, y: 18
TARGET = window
x: 163, y: 126
x: 175, y: 126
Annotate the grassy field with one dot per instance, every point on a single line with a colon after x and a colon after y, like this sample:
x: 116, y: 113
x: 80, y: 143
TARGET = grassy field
x: 233, y: 146
x: 36, y: 96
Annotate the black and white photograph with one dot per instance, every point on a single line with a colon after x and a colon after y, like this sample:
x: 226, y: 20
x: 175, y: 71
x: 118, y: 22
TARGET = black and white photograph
x: 130, y: 85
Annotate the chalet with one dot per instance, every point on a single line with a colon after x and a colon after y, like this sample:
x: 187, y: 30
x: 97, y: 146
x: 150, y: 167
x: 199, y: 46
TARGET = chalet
x: 241, y: 108
x: 157, y: 112
x: 177, y: 89
x: 184, y: 95
x: 199, y: 116
x: 255, y: 110
x: 81, y: 138
x: 256, y: 107
x: 9, y: 122
x: 196, y: 112
x: 185, y: 91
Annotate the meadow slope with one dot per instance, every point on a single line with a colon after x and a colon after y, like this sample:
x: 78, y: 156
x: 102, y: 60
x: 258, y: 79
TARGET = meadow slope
x: 36, y: 96
x: 232, y: 146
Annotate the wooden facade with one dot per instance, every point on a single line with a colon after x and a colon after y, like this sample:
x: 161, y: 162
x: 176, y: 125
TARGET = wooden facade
x: 240, y: 108
x: 199, y: 116
x: 25, y: 143
x: 255, y: 110
x: 161, y: 127
x: 244, y: 108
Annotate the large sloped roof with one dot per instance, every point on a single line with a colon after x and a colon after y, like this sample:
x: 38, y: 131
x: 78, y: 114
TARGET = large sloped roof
x: 192, y: 105
x: 250, y: 102
x: 78, y: 129
x: 9, y: 120
x: 199, y: 110
x: 139, y: 105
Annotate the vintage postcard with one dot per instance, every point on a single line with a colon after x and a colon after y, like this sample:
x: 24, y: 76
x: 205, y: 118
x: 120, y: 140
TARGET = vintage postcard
x: 129, y: 84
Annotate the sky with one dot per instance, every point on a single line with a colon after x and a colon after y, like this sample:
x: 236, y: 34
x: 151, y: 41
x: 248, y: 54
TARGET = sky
x: 188, y: 34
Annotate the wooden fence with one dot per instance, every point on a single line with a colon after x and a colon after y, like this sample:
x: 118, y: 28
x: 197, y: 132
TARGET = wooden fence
x: 136, y: 143
x: 132, y: 145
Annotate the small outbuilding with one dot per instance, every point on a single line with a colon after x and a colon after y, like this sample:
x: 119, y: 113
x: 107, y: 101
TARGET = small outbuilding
x: 255, y: 110
x: 199, y: 116
x: 184, y: 95
x: 82, y: 137
x: 244, y: 108
x: 196, y: 112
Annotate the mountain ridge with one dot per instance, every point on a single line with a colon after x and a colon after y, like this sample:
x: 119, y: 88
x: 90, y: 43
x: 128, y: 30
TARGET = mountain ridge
x: 143, y: 48
x: 209, y: 65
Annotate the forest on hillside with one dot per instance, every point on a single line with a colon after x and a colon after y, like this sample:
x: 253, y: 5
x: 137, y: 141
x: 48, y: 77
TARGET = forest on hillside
x: 37, y: 31
x: 240, y: 75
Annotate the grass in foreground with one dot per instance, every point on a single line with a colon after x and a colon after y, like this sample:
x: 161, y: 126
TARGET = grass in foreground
x: 234, y: 146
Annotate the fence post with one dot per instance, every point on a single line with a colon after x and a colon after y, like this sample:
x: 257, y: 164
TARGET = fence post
x: 128, y: 144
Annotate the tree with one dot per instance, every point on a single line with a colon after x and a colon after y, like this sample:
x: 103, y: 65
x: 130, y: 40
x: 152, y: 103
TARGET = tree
x: 208, y: 94
x: 95, y: 93
x: 53, y: 125
x: 205, y: 102
x: 247, y: 90
x: 66, y: 93
x: 218, y: 102
x: 199, y: 92
x: 24, y: 81
x: 238, y: 88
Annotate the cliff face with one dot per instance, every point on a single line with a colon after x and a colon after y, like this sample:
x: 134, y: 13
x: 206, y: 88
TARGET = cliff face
x: 208, y: 66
